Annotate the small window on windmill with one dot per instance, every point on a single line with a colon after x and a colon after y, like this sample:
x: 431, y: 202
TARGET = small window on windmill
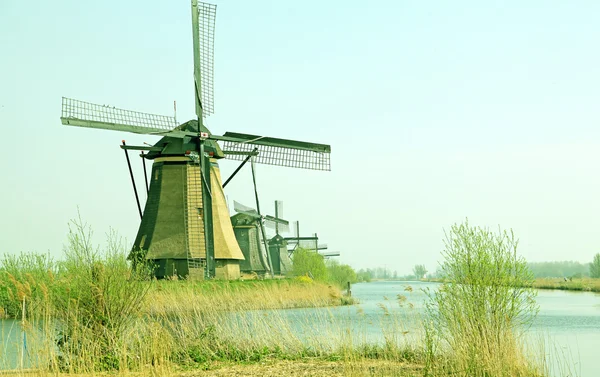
x: 142, y: 242
x: 156, y: 175
x: 200, y: 214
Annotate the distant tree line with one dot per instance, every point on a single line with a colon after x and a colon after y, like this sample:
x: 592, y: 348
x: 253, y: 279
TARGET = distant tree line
x: 368, y: 274
x: 567, y: 269
x: 313, y: 264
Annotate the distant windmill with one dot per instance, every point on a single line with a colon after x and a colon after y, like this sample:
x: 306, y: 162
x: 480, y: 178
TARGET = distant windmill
x: 305, y: 242
x: 185, y: 229
x: 249, y: 227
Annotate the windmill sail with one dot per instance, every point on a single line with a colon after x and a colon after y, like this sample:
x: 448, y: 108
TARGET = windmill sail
x: 240, y: 208
x: 203, y: 24
x: 281, y: 225
x: 85, y: 114
x: 274, y: 151
x: 270, y: 222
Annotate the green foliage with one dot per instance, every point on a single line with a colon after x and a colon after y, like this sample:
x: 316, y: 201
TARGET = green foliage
x: 340, y: 274
x: 308, y: 262
x: 486, y: 302
x: 595, y: 267
x: 363, y: 276
x: 419, y: 271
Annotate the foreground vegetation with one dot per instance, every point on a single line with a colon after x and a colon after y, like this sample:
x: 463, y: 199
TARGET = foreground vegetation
x: 476, y: 320
x: 92, y: 313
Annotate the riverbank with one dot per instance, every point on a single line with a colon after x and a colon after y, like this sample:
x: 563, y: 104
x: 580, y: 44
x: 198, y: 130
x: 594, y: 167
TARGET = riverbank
x: 222, y: 295
x: 165, y: 295
x: 584, y: 284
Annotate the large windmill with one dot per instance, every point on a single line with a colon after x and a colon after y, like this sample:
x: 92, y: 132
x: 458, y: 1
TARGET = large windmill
x: 185, y: 229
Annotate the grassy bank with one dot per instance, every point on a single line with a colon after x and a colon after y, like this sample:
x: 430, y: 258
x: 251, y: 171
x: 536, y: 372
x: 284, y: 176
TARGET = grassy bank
x: 165, y: 296
x: 584, y: 284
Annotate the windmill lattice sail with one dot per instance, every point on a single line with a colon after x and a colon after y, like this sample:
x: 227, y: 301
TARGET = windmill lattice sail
x: 206, y: 38
x: 91, y: 115
x: 279, y: 152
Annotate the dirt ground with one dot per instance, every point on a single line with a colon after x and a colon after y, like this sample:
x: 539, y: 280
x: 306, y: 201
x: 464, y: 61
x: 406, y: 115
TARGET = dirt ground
x: 304, y: 368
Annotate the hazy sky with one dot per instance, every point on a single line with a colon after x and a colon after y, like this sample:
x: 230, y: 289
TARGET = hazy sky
x: 435, y: 111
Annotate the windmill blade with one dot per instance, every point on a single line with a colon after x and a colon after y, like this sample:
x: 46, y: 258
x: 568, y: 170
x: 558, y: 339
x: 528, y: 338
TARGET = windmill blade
x: 275, y: 223
x: 240, y: 208
x: 90, y: 115
x: 203, y: 26
x: 307, y: 244
x: 277, y: 220
x: 331, y: 254
x: 274, y: 151
x: 279, y: 208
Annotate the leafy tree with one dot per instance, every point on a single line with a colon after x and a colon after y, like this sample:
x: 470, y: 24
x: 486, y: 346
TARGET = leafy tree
x: 364, y: 275
x: 309, y: 262
x: 340, y: 274
x: 419, y: 271
x: 595, y: 267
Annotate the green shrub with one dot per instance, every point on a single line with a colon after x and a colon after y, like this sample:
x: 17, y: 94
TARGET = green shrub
x: 340, y: 274
x: 308, y: 262
x: 479, y: 314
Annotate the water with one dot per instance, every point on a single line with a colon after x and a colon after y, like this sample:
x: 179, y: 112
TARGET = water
x: 569, y: 322
x: 11, y: 345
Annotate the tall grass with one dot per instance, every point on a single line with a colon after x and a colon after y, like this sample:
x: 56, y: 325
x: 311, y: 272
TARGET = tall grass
x: 78, y: 310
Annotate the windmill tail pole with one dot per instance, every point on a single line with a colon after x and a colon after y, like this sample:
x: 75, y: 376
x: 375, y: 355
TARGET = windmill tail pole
x: 262, y: 227
x: 145, y: 172
x: 137, y: 199
x: 239, y: 167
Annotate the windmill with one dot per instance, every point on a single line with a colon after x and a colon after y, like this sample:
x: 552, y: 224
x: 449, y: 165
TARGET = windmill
x: 280, y: 259
x: 185, y: 229
x: 261, y: 253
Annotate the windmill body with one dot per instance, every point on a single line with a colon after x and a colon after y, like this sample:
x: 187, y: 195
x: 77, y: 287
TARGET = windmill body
x: 248, y: 235
x: 186, y: 230
x: 261, y: 254
x: 280, y: 258
x: 171, y: 234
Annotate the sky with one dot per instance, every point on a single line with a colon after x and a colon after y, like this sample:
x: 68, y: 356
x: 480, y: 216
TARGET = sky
x: 436, y: 111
